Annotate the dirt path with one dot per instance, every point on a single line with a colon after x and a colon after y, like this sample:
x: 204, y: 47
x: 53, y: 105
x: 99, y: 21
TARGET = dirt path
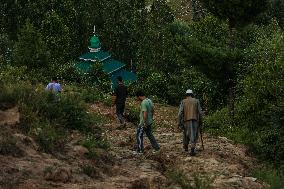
x: 222, y: 164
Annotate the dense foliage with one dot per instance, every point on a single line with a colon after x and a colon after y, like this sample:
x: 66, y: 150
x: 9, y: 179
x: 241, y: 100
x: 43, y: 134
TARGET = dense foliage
x: 261, y: 107
x: 237, y: 12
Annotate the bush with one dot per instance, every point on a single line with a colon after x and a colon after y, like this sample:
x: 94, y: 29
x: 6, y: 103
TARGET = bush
x: 51, y: 139
x: 274, y: 178
x: 8, y: 145
x: 218, y: 123
x: 91, y: 171
x: 92, y: 141
x: 132, y: 112
x: 49, y: 121
x: 178, y: 177
x: 68, y: 112
x: 260, y: 109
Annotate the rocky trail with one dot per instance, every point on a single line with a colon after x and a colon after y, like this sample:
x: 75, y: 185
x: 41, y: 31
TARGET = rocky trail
x: 223, y: 164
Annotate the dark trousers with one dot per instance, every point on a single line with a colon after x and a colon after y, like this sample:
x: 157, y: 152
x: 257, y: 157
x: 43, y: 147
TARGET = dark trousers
x: 120, y: 111
x: 149, y: 134
x: 190, y: 133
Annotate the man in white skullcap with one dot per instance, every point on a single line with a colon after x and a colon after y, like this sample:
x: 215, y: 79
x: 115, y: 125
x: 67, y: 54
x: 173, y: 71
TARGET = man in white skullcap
x: 189, y: 115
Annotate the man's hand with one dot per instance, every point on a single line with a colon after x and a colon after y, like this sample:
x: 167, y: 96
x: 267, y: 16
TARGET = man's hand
x: 179, y: 128
x: 145, y: 125
x: 112, y: 110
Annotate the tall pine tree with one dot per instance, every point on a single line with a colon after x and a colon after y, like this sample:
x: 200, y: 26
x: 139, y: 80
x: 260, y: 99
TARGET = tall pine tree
x: 238, y: 13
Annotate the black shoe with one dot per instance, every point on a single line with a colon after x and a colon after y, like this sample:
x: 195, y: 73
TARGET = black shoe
x: 185, y: 148
x: 192, y: 152
x: 137, y: 152
x: 121, y: 127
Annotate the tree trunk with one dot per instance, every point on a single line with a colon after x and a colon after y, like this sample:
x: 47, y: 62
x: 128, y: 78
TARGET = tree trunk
x: 231, y: 81
x: 231, y: 99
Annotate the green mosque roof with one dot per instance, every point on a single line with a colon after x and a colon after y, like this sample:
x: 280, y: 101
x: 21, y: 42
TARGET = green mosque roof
x: 95, y: 56
x: 111, y: 65
x: 85, y: 66
x: 95, y: 42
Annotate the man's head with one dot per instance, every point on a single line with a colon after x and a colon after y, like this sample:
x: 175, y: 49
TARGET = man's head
x: 189, y: 93
x: 119, y: 79
x: 54, y: 79
x: 140, y: 95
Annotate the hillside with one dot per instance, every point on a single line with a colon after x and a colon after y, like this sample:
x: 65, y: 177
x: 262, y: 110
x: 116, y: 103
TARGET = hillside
x: 223, y: 164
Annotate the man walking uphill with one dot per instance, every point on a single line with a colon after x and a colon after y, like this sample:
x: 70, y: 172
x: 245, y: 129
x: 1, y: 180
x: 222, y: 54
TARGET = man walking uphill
x: 146, y: 121
x: 55, y: 88
x: 189, y: 115
x: 120, y: 94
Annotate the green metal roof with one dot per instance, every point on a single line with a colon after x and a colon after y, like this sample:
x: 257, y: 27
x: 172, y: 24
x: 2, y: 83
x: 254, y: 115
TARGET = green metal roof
x: 85, y: 66
x: 95, y: 56
x: 95, y: 42
x: 111, y: 65
x: 128, y: 77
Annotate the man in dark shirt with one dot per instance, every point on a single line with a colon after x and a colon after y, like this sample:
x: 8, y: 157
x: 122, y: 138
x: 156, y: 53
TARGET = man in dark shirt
x: 120, y: 94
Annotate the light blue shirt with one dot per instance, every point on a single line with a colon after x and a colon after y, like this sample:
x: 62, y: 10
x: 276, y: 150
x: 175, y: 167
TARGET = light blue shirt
x: 55, y: 87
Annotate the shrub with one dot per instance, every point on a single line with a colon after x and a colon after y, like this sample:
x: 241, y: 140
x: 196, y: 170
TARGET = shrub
x: 132, y: 113
x: 274, y: 178
x: 218, y: 123
x: 8, y: 145
x: 47, y: 120
x: 178, y: 177
x: 93, y: 141
x: 90, y: 171
x: 68, y: 112
x: 51, y: 139
x: 260, y: 109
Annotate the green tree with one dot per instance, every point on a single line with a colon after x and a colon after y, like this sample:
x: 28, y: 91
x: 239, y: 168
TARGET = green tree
x: 276, y: 10
x: 237, y: 13
x: 157, y: 48
x: 57, y: 38
x: 10, y: 18
x: 63, y: 26
x: 203, y: 45
x: 30, y: 49
x: 261, y: 106
x: 124, y: 24
x: 5, y: 48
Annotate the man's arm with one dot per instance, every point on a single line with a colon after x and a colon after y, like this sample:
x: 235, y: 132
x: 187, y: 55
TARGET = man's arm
x: 47, y: 87
x: 145, y: 115
x: 114, y: 97
x: 199, y: 109
x: 180, y: 115
x: 59, y: 88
